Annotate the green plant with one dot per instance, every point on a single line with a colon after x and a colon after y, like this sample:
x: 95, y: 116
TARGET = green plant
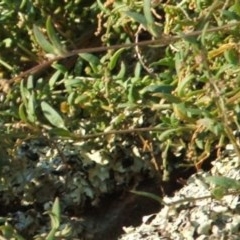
x: 158, y: 79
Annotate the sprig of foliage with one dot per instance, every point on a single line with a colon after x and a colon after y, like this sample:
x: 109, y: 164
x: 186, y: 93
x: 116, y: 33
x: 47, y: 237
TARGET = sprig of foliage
x: 179, y: 96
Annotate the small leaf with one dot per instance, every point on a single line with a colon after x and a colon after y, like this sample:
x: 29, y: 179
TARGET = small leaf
x: 60, y: 132
x: 224, y: 182
x: 151, y: 26
x: 137, y: 17
x: 42, y: 41
x: 148, y: 195
x: 66, y: 231
x: 71, y: 83
x: 169, y: 97
x: 31, y: 108
x: 182, y: 112
x: 166, y: 134
x: 158, y: 89
x: 56, y: 211
x: 24, y: 93
x: 122, y: 71
x: 22, y: 113
x: 114, y: 58
x: 54, y: 78
x: 231, y: 56
x: 147, y: 12
x: 58, y: 46
x: 218, y: 193
x: 52, y: 115
x: 236, y: 7
x: 55, y: 215
x: 182, y: 86
x: 91, y: 59
x: 51, y: 235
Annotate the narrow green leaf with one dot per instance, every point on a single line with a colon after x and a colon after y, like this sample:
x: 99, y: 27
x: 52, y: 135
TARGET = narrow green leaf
x: 71, y: 83
x: 166, y: 134
x: 24, y: 93
x: 103, y: 8
x: 218, y: 193
x: 54, y: 78
x: 91, y: 59
x: 9, y: 232
x: 236, y: 7
x: 54, y: 39
x: 31, y: 108
x: 60, y: 132
x: 158, y: 89
x: 147, y: 12
x: 137, y: 17
x: 21, y: 112
x: 169, y: 97
x: 114, y: 58
x: 182, y: 86
x: 42, y: 41
x: 148, y: 195
x: 122, y: 71
x: 55, y: 215
x: 151, y: 26
x: 51, y: 235
x: 30, y: 83
x: 56, y: 210
x: 224, y: 182
x: 231, y: 56
x: 52, y: 115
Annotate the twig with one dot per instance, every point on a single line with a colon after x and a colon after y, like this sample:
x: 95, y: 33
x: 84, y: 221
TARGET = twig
x: 192, y: 199
x: 126, y: 131
x: 161, y: 42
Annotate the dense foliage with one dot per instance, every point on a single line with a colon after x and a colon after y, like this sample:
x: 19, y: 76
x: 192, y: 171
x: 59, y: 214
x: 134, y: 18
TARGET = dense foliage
x: 96, y: 120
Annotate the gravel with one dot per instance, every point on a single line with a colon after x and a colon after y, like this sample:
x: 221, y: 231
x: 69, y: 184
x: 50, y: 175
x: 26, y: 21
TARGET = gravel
x: 200, y: 210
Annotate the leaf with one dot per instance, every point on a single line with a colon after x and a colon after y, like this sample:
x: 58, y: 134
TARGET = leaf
x: 114, y: 58
x: 56, y: 211
x: 91, y: 59
x: 51, y: 235
x: 236, y: 7
x: 231, y: 56
x: 148, y: 195
x: 60, y: 132
x: 224, y: 182
x: 52, y: 115
x: 9, y: 232
x: 24, y: 93
x: 30, y: 108
x: 27, y: 109
x: 151, y: 26
x: 71, y: 83
x: 55, y: 215
x: 169, y: 97
x: 132, y: 94
x: 162, y: 91
x: 182, y: 112
x: 21, y: 112
x: 166, y: 134
x: 137, y: 17
x: 122, y: 71
x: 54, y: 78
x: 158, y: 89
x: 42, y: 41
x: 182, y: 86
x: 58, y: 46
x: 218, y: 193
x: 147, y: 12
x: 66, y: 231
